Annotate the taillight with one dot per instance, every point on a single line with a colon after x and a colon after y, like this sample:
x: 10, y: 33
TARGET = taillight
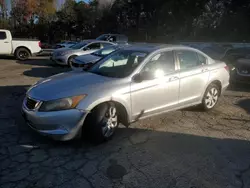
x: 227, y: 68
x: 39, y: 44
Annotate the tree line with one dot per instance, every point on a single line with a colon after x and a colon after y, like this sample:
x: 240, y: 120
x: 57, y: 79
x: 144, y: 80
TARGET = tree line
x: 140, y: 20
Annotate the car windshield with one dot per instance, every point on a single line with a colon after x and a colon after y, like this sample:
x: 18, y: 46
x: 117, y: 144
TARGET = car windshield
x: 120, y: 64
x: 79, y: 45
x: 105, y: 51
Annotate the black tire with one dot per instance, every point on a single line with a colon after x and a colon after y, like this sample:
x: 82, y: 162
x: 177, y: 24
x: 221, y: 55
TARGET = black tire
x: 22, y: 54
x: 213, y: 90
x: 96, y: 122
x: 70, y: 59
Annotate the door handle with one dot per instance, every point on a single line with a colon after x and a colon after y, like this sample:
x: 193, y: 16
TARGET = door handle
x: 173, y: 78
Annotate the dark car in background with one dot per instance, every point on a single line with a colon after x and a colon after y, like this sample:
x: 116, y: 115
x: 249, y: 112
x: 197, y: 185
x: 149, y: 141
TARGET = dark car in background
x: 238, y: 60
x: 240, y: 70
x: 116, y: 38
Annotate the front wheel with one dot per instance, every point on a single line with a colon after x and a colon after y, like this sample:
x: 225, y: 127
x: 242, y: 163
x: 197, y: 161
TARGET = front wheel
x: 102, y: 123
x: 70, y: 60
x: 211, y: 97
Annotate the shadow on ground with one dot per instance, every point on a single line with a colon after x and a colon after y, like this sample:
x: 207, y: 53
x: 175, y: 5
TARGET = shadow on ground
x: 133, y: 158
x: 44, y: 72
x: 45, y: 61
x: 7, y: 57
x: 149, y: 157
x: 244, y: 104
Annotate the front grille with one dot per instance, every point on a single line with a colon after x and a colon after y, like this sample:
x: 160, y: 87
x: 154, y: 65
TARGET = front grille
x: 31, y: 103
x: 244, y: 69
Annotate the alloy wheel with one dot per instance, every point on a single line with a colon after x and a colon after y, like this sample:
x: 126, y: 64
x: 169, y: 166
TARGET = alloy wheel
x: 110, y: 122
x: 23, y: 54
x: 212, y: 97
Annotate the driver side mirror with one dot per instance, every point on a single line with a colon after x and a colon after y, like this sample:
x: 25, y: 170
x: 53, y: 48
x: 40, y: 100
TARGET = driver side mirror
x: 147, y: 75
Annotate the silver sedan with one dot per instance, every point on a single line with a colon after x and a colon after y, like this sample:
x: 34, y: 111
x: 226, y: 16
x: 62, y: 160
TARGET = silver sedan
x: 130, y: 84
x: 63, y: 56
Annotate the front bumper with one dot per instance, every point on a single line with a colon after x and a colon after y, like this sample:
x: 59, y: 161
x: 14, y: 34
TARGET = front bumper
x: 61, y: 60
x: 59, y: 125
x: 237, y: 77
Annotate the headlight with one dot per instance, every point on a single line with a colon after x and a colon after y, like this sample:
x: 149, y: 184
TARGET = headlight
x: 61, y: 104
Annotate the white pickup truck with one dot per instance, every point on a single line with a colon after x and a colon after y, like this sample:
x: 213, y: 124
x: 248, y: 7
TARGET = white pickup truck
x: 21, y: 49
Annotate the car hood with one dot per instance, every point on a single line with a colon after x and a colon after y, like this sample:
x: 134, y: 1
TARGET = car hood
x: 66, y: 85
x: 60, y: 50
x: 89, y: 58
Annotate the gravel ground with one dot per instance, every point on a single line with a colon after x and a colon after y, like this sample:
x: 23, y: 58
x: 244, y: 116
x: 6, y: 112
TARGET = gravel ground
x: 179, y: 149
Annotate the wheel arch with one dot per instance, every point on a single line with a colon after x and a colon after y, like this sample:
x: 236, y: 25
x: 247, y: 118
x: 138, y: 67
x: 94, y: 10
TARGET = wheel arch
x: 25, y: 47
x: 71, y: 56
x: 218, y: 83
x: 123, y: 113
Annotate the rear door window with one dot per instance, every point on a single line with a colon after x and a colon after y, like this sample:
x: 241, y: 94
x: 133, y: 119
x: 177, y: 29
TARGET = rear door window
x: 163, y: 61
x: 2, y: 35
x: 202, y: 59
x: 187, y: 59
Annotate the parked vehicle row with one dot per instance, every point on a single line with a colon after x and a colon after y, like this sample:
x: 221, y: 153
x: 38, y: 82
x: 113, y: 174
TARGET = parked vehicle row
x: 131, y: 83
x: 64, y: 56
x: 22, y: 49
x: 88, y: 60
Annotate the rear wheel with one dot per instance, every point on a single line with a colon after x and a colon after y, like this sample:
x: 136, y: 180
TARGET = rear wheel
x: 102, y: 122
x: 22, y: 54
x: 211, y: 97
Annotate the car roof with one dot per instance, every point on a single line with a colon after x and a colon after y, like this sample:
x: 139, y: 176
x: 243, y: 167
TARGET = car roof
x: 147, y: 47
x: 94, y: 40
x: 112, y: 34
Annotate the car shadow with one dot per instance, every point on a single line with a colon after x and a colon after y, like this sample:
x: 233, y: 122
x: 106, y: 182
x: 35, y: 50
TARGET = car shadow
x: 150, y: 156
x: 45, y: 61
x: 44, y: 72
x: 244, y: 104
x: 7, y: 57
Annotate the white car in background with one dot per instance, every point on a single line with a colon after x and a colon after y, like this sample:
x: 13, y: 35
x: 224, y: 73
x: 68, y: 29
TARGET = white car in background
x: 22, y: 49
x: 64, y: 56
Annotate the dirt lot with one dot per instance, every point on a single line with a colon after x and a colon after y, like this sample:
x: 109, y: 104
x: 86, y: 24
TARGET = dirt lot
x: 180, y: 149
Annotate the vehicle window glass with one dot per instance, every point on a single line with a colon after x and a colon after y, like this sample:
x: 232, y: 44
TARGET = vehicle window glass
x: 163, y: 62
x: 188, y: 59
x: 107, y: 51
x: 106, y: 44
x: 94, y: 46
x: 2, y: 35
x: 103, y: 37
x: 202, y: 59
x: 78, y: 45
x: 120, y: 64
x: 112, y: 39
